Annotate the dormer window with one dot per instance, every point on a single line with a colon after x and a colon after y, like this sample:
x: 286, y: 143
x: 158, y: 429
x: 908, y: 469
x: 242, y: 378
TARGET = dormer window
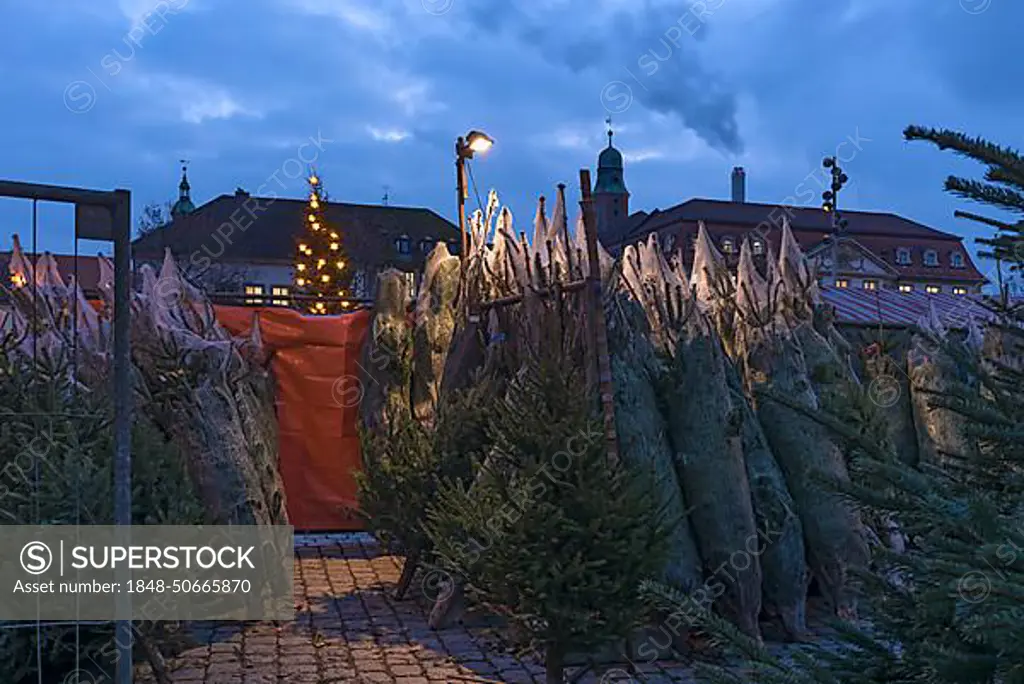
x: 757, y: 244
x: 403, y: 245
x: 426, y: 246
x: 903, y: 256
x: 728, y: 245
x: 956, y: 260
x: 669, y: 244
x: 453, y: 247
x: 931, y: 257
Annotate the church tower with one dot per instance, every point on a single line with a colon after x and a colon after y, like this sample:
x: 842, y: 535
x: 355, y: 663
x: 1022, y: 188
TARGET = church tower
x: 183, y: 206
x: 611, y: 199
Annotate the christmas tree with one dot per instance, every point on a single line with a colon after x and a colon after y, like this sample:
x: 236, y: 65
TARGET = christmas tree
x: 948, y: 606
x: 321, y: 269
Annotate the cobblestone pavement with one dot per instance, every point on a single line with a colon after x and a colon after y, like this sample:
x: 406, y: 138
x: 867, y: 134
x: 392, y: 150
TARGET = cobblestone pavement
x: 348, y: 628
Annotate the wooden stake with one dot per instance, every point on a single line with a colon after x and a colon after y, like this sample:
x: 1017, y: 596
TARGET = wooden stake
x: 596, y: 321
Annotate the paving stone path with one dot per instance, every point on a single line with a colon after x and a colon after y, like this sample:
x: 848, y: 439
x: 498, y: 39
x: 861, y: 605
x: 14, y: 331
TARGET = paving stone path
x: 348, y: 628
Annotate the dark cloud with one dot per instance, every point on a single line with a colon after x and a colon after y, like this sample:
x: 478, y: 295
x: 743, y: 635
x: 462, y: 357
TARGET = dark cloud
x: 653, y: 51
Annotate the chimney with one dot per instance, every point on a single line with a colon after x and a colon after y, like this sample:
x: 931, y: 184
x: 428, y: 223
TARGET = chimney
x: 239, y: 192
x: 739, y: 184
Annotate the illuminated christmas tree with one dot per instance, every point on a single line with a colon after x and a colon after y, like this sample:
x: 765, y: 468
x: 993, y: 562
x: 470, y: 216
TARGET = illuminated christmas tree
x: 320, y: 266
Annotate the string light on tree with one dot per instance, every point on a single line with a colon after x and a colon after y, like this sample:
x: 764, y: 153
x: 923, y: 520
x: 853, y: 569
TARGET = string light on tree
x: 320, y: 274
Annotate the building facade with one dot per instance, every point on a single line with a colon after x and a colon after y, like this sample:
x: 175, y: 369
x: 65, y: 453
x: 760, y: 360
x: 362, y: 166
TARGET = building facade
x: 877, y: 250
x: 245, y: 245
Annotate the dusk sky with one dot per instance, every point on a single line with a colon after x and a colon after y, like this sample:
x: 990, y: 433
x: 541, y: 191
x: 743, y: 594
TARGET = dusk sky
x: 112, y: 93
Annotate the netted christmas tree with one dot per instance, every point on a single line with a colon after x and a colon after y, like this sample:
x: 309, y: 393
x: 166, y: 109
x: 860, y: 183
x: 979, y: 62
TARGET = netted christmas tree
x: 322, y: 273
x: 945, y: 604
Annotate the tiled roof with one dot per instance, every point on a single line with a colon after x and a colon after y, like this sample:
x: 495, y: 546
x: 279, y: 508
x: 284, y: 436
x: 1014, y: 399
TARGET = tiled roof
x: 368, y: 231
x: 800, y: 218
x: 895, y: 308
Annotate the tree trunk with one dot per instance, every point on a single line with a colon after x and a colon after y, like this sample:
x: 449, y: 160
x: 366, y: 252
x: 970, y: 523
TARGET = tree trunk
x: 412, y: 562
x: 554, y: 665
x: 449, y: 608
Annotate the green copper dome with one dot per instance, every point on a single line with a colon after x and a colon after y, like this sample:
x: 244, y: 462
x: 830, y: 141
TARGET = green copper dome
x: 609, y: 170
x: 610, y: 158
x: 182, y: 207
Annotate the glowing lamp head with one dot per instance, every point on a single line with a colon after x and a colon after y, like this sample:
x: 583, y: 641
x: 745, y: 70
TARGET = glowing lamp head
x: 334, y: 246
x: 300, y: 282
x: 479, y: 142
x: 302, y: 247
x: 313, y: 180
x: 326, y: 278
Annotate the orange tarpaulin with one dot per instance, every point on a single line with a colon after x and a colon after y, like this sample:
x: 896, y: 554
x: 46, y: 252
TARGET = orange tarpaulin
x: 315, y: 365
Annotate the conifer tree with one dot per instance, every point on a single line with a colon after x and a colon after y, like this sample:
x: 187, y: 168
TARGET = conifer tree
x: 551, y: 533
x: 321, y: 268
x: 949, y: 608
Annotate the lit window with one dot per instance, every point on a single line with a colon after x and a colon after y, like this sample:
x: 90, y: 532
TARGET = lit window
x: 758, y: 246
x: 903, y: 256
x: 842, y: 283
x: 932, y: 289
x: 728, y: 245
x: 253, y: 290
x: 931, y: 258
x: 279, y: 291
x: 906, y: 288
x: 402, y: 245
x: 956, y: 259
x: 957, y: 290
x: 870, y: 284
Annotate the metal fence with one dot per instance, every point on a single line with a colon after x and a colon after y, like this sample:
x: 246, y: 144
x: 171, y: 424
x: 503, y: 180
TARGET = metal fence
x: 105, y: 216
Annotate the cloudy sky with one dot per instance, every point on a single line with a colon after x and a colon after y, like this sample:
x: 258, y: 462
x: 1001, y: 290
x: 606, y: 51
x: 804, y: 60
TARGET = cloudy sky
x: 112, y: 93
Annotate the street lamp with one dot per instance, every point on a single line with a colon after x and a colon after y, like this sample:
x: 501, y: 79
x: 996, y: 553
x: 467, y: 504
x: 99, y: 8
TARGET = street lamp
x: 830, y: 205
x: 465, y: 147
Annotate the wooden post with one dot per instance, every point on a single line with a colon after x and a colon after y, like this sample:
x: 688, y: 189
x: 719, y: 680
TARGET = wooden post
x: 596, y: 321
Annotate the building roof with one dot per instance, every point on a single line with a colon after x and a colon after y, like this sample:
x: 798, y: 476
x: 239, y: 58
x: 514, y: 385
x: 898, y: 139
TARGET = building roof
x: 88, y: 269
x: 893, y: 308
x: 880, y: 232
x: 812, y: 219
x: 240, y: 228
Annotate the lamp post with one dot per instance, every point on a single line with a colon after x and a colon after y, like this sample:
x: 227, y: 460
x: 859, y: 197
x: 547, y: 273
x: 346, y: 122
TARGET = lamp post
x: 465, y: 148
x: 830, y: 205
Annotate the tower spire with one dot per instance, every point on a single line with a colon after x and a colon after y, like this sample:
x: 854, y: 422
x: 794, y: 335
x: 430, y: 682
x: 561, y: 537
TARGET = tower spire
x: 608, y: 121
x: 184, y: 204
x: 184, y: 187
